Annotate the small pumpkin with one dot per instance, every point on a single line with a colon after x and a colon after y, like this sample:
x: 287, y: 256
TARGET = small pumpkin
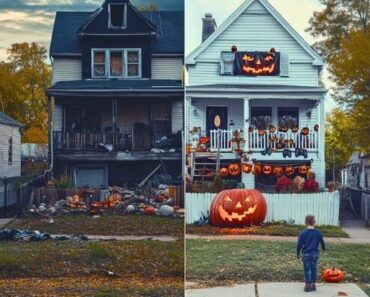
x: 305, y: 131
x: 294, y: 129
x: 224, y: 172
x: 316, y: 128
x: 234, y: 169
x: 149, y: 211
x: 289, y: 170
x: 75, y: 198
x: 278, y: 171
x: 267, y: 169
x: 261, y: 132
x: 238, y: 208
x: 250, y: 129
x: 333, y: 275
x: 204, y: 140
x: 272, y: 129
x: 246, y: 168
x: 257, y: 169
x: 303, y: 169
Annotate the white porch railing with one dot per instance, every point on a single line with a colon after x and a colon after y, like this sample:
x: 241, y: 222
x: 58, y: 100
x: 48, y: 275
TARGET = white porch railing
x: 288, y: 207
x: 309, y: 142
x: 221, y: 139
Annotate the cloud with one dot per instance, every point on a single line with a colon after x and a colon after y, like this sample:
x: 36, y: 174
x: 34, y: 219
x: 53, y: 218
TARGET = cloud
x: 49, y: 5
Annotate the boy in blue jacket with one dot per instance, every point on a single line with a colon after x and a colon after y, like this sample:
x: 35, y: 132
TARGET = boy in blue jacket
x: 308, y: 244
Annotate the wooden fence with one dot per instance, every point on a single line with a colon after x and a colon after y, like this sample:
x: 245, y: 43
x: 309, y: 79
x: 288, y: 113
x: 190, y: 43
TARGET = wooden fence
x: 280, y: 207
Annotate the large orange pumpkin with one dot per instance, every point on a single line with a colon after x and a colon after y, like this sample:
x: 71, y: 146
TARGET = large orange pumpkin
x: 234, y: 169
x: 238, y: 208
x: 333, y: 275
x: 267, y: 169
x: 257, y: 169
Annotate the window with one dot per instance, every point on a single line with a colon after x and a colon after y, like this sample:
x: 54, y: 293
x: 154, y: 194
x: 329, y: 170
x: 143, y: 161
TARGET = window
x: 160, y: 119
x: 261, y: 117
x: 227, y: 63
x: 10, y: 151
x: 288, y: 117
x: 117, y: 16
x: 116, y: 63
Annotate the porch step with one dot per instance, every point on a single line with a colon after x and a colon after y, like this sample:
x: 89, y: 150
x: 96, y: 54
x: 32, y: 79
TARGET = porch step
x: 204, y: 165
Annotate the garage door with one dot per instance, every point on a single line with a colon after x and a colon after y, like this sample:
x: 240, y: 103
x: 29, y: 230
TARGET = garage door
x: 94, y: 177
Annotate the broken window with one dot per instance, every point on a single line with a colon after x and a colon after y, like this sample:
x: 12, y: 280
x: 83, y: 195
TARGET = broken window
x: 99, y: 63
x: 116, y: 63
x: 117, y: 16
x: 133, y: 64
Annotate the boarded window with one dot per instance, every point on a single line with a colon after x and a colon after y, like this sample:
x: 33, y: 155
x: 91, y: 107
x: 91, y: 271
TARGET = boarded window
x: 116, y: 63
x: 261, y: 117
x: 288, y: 117
x: 117, y: 16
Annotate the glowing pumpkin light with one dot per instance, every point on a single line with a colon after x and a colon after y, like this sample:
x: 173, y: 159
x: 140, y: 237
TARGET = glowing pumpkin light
x: 224, y: 172
x: 278, y: 171
x: 333, y: 275
x: 267, y: 169
x: 304, y: 169
x: 234, y: 169
x: 238, y: 208
x: 289, y: 170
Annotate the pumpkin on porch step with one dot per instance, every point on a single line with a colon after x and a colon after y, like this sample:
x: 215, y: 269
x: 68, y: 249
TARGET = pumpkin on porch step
x: 238, y: 208
x: 333, y: 275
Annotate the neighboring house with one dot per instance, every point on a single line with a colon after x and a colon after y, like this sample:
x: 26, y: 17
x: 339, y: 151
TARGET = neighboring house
x: 10, y: 147
x: 357, y: 172
x: 256, y: 74
x: 117, y: 93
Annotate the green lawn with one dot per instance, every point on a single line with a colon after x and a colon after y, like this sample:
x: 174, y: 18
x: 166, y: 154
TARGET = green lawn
x: 217, y: 262
x: 107, y: 224
x: 277, y: 229
x: 143, y: 268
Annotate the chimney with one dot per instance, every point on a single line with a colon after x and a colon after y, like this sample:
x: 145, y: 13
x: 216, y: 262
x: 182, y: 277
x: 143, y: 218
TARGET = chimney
x: 209, y: 26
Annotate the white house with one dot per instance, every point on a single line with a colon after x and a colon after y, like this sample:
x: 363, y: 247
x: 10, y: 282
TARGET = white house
x: 256, y: 74
x: 10, y: 147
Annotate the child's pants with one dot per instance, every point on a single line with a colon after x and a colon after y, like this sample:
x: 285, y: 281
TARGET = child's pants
x: 310, y: 266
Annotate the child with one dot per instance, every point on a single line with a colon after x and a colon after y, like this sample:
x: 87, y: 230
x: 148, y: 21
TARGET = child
x: 308, y: 244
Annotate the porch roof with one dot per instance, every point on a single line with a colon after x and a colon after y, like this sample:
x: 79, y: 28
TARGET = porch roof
x: 7, y: 120
x: 115, y: 87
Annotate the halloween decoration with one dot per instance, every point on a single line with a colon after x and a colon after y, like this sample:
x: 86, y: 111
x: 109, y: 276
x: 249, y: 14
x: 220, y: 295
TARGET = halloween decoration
x: 283, y: 184
x: 289, y: 170
x: 298, y: 183
x: 257, y: 63
x: 294, y: 129
x: 311, y: 186
x: 305, y: 131
x: 333, y: 275
x: 272, y: 129
x: 234, y: 49
x: 267, y: 151
x: 246, y: 168
x: 261, y: 132
x: 234, y: 169
x: 283, y: 129
x: 250, y: 129
x: 287, y: 153
x: 149, y: 211
x: 238, y: 208
x: 257, y: 169
x: 304, y: 169
x: 316, y: 128
x: 267, y: 169
x: 204, y: 140
x: 224, y: 172
x: 311, y: 174
x: 278, y: 171
x: 301, y: 152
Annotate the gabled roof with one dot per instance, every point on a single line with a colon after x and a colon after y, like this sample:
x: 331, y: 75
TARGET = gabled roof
x: 191, y: 58
x: 7, y: 120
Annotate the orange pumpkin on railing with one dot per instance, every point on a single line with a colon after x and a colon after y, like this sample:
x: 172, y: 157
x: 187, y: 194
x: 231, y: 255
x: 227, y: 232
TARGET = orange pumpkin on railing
x: 234, y: 169
x: 246, y: 168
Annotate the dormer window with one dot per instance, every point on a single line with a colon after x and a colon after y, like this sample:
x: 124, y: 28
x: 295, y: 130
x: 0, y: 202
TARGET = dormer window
x: 116, y: 63
x: 117, y: 16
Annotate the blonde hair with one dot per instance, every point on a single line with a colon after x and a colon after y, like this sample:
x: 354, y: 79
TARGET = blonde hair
x: 310, y: 220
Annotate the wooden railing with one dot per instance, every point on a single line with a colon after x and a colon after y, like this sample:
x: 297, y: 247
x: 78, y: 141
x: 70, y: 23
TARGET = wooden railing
x: 221, y: 140
x: 292, y: 140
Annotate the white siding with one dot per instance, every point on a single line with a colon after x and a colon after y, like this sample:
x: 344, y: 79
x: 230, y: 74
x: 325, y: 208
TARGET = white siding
x: 58, y: 118
x: 14, y: 169
x: 167, y: 68
x: 177, y: 116
x: 66, y: 70
x: 255, y: 29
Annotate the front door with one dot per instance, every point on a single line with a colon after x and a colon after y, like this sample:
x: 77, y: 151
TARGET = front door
x: 216, y: 118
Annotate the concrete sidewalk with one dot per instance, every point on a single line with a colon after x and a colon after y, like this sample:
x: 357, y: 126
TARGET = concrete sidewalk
x: 278, y: 290
x: 4, y: 222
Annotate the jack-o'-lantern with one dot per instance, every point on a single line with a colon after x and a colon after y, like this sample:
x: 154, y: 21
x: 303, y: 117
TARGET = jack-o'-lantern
x: 257, y: 169
x: 75, y: 198
x: 234, y: 169
x: 246, y: 168
x: 224, y: 172
x: 259, y: 63
x: 304, y: 169
x: 305, y: 131
x: 316, y: 128
x: 267, y: 169
x: 333, y: 275
x: 289, y: 170
x: 278, y: 171
x: 261, y: 132
x: 272, y: 129
x: 204, y: 140
x: 238, y: 208
x: 294, y: 129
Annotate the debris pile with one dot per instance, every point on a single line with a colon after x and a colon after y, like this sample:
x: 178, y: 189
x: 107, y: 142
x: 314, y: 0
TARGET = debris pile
x: 35, y: 235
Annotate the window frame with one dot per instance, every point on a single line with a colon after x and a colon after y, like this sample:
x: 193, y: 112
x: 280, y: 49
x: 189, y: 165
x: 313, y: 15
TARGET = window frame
x: 124, y: 23
x: 227, y: 58
x: 257, y: 109
x: 124, y: 62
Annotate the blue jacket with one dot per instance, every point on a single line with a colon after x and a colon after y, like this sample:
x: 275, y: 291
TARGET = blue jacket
x: 309, y: 240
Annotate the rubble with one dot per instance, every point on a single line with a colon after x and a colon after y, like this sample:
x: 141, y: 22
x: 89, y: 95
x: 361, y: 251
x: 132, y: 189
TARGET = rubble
x: 35, y: 235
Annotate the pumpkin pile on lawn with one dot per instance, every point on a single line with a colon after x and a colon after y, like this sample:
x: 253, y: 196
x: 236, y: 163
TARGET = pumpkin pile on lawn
x: 238, y: 208
x: 76, y: 202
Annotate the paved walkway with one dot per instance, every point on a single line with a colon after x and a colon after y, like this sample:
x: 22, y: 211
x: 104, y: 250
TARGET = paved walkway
x: 357, y: 230
x: 278, y: 290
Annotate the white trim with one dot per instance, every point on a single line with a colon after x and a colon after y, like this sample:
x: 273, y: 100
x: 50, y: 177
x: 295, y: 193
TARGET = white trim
x: 191, y: 58
x: 124, y: 25
x: 124, y: 62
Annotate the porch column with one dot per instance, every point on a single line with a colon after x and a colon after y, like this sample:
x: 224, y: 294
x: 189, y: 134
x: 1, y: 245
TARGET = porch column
x: 321, y: 154
x: 51, y: 103
x: 114, y: 122
x: 246, y: 124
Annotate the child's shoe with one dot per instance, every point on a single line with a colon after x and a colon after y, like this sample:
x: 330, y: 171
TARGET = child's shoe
x: 313, y: 287
x: 307, y: 287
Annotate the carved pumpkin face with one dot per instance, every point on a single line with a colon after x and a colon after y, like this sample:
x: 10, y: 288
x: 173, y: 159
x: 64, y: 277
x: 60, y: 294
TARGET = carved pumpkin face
x: 278, y: 171
x: 267, y: 169
x: 289, y: 170
x: 234, y: 169
x: 259, y: 63
x: 305, y: 131
x: 272, y: 129
x: 246, y: 168
x: 304, y: 169
x: 238, y: 208
x: 257, y: 169
x: 224, y: 172
x: 333, y: 275
x: 295, y: 129
x: 204, y: 140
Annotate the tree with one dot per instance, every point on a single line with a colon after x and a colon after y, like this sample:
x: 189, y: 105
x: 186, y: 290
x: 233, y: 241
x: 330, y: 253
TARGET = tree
x: 23, y: 78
